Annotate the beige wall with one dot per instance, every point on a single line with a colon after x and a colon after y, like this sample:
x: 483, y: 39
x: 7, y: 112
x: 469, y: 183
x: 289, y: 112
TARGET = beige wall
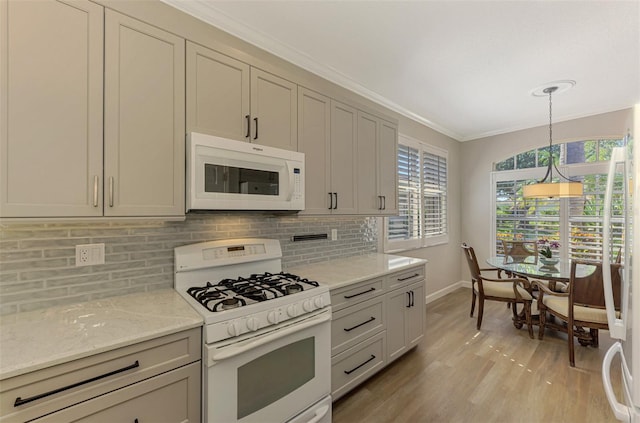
x: 478, y: 156
x: 443, y: 269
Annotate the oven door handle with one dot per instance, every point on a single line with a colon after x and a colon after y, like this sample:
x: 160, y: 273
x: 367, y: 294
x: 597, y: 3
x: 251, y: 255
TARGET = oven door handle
x: 232, y: 351
x: 319, y: 414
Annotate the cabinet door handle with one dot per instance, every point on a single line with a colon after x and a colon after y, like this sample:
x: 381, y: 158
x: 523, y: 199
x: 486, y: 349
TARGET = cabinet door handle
x: 111, y: 191
x: 335, y: 206
x: 408, y: 277
x: 256, y: 122
x: 135, y: 421
x: 360, y: 365
x: 330, y: 200
x: 95, y: 191
x: 384, y: 202
x: 379, y: 202
x: 359, y: 293
x: 359, y: 324
x: 20, y: 401
x: 408, y: 299
x: 248, y: 126
x: 412, y: 299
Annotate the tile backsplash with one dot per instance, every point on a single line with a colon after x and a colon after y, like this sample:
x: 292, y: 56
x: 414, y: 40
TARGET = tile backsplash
x: 37, y: 261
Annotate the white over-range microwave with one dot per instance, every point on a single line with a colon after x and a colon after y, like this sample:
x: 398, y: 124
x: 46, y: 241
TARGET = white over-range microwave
x: 225, y: 174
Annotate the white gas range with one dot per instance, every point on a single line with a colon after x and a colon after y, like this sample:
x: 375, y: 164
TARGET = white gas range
x: 266, y: 333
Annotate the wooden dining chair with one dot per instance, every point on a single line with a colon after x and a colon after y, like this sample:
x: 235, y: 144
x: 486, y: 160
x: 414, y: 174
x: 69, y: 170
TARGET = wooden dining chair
x: 581, y: 307
x: 519, y: 251
x: 512, y: 291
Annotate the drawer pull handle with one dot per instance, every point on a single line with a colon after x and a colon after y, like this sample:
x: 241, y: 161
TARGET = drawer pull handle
x: 373, y: 357
x: 360, y: 324
x: 360, y: 293
x: 408, y: 277
x: 20, y: 401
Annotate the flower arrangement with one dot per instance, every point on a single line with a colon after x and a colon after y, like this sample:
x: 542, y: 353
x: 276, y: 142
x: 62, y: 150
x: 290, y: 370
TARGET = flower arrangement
x: 546, y: 245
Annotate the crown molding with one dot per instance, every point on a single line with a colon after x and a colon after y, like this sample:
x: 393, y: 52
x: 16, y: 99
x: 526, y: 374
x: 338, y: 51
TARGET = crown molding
x: 207, y: 12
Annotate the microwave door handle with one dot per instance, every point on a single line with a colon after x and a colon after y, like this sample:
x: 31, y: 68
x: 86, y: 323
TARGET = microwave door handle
x: 292, y: 186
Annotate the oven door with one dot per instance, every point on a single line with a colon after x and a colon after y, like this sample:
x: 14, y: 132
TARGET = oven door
x: 271, y: 377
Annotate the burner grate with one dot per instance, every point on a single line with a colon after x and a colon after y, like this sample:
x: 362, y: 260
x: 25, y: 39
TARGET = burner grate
x: 233, y: 293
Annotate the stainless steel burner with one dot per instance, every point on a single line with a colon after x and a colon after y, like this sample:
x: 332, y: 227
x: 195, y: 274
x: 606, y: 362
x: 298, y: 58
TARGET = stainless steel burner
x: 293, y: 289
x: 230, y: 303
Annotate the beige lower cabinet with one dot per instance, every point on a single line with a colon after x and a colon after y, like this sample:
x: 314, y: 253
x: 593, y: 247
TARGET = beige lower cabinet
x: 406, y: 314
x: 153, y: 381
x: 353, y: 366
x: 374, y: 322
x: 170, y: 397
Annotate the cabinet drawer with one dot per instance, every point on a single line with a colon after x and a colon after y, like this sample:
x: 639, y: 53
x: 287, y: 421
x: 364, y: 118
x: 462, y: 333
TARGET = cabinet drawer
x: 51, y: 389
x: 356, y: 323
x: 171, y: 397
x: 353, y: 366
x: 353, y: 294
x: 404, y: 278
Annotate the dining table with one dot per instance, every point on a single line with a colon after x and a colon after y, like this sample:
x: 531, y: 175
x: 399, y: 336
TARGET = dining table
x: 534, y: 268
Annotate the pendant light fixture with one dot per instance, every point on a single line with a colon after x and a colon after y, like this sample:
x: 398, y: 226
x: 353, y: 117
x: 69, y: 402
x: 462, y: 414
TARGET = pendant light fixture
x: 547, y: 188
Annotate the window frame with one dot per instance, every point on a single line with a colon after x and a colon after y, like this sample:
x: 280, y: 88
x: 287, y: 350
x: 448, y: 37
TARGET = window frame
x: 423, y: 240
x: 571, y: 171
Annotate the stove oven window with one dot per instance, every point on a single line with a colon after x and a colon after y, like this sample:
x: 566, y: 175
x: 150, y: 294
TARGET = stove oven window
x: 274, y: 375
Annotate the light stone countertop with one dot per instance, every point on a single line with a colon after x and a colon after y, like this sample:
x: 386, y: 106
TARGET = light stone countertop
x: 350, y: 270
x: 38, y: 339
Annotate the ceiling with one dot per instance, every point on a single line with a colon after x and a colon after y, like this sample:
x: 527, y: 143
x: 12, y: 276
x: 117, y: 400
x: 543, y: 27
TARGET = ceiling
x: 464, y: 68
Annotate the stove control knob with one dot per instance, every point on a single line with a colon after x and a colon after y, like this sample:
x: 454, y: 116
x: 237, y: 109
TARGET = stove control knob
x: 273, y: 317
x: 253, y: 324
x: 308, y: 306
x: 234, y: 328
x: 292, y: 310
x: 319, y: 302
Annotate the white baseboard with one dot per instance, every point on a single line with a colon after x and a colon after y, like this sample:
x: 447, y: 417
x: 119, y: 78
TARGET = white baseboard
x: 444, y: 291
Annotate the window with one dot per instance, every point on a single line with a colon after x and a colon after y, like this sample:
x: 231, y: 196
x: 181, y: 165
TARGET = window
x: 422, y: 198
x: 575, y: 222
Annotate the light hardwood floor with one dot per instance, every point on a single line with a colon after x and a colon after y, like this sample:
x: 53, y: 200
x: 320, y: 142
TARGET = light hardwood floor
x: 497, y: 374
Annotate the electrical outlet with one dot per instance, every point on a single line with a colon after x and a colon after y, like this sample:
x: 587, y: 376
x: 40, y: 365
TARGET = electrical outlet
x: 89, y: 254
x: 334, y: 234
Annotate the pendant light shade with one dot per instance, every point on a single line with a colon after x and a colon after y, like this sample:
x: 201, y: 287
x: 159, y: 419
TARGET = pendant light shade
x: 553, y: 190
x: 547, y: 188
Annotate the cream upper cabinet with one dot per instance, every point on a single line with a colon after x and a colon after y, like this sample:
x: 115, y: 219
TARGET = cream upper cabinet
x: 314, y: 138
x: 62, y: 153
x: 144, y: 119
x: 387, y: 167
x: 343, y: 158
x: 377, y: 175
x: 274, y: 112
x: 51, y: 64
x: 217, y: 94
x: 231, y: 99
x: 327, y: 137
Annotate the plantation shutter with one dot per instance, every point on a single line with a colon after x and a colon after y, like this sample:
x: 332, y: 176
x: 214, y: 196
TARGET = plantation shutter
x: 524, y: 220
x: 434, y: 193
x: 407, y: 224
x: 586, y: 214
